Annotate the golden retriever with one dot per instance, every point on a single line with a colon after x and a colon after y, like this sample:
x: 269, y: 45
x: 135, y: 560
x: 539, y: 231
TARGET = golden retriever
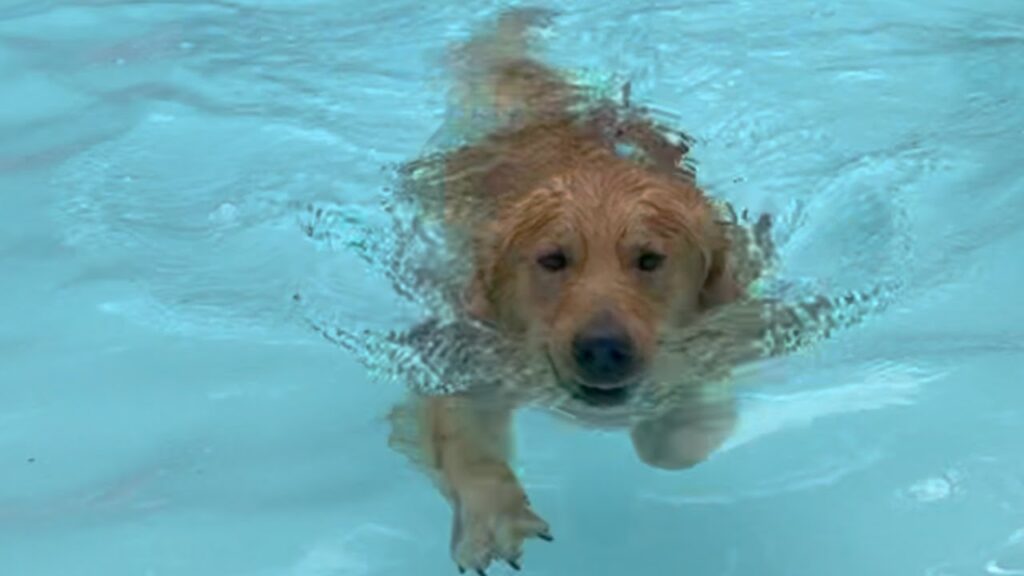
x: 589, y: 245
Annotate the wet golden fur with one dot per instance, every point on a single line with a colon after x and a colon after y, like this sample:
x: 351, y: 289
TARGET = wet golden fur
x: 550, y: 180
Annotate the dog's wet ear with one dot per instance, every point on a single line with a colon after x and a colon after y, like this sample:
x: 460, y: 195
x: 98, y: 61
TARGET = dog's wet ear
x: 720, y: 284
x: 477, y: 299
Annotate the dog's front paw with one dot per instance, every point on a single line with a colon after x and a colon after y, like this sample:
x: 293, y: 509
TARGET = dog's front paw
x: 492, y: 519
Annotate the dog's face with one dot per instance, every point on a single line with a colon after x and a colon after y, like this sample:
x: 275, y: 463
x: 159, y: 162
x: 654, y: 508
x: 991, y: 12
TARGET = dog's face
x: 592, y: 268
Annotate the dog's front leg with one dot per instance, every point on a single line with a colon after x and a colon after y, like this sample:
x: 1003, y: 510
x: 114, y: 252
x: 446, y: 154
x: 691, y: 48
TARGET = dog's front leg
x: 465, y: 445
x: 685, y: 435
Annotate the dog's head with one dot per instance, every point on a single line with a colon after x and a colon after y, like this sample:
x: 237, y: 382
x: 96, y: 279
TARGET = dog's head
x: 592, y: 268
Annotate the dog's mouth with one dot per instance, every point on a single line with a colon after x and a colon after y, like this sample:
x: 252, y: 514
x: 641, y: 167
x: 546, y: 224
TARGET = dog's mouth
x: 604, y: 395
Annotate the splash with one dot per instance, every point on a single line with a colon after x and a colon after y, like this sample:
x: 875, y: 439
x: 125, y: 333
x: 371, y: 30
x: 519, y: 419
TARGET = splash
x: 448, y: 352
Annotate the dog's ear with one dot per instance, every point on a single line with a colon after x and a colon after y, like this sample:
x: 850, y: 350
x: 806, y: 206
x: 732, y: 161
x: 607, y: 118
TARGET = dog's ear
x: 477, y: 299
x: 720, y: 285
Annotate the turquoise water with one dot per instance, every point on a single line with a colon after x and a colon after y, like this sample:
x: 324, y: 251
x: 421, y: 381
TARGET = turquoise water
x: 166, y: 410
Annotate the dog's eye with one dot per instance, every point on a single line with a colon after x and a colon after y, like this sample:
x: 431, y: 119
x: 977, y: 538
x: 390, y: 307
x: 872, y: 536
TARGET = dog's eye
x: 650, y: 261
x: 553, y: 262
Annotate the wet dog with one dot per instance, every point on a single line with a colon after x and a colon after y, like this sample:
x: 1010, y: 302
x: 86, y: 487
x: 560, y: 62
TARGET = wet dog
x: 589, y: 243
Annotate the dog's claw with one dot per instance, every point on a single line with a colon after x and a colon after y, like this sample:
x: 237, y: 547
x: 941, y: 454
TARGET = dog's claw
x: 515, y: 565
x: 481, y: 572
x: 462, y: 570
x: 546, y: 537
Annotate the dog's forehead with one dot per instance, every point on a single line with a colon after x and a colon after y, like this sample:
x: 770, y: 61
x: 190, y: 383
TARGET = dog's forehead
x: 618, y: 206
x: 641, y: 214
x: 661, y: 215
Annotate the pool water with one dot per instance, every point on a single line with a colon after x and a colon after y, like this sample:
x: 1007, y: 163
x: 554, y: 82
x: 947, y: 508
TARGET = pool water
x: 165, y: 408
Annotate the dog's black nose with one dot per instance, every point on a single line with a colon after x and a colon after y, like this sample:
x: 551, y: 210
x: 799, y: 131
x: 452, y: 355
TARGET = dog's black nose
x: 604, y: 356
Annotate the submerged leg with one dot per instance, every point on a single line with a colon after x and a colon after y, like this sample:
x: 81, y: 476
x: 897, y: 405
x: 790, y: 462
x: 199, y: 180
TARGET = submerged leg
x: 463, y: 444
x: 685, y: 436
